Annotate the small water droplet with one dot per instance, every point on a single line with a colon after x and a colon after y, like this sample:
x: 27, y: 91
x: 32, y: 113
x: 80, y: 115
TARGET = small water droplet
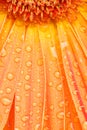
x: 34, y: 104
x: 31, y: 113
x: 63, y: 44
x: 3, y: 52
x: 27, y: 87
x: 50, y: 84
x: 1, y: 91
x: 17, y: 129
x: 17, y: 59
x: 27, y: 77
x: 28, y: 49
x: 61, y: 104
x: 38, y: 95
x: 6, y: 101
x: 59, y: 87
x: 18, y: 50
x: 10, y: 76
x: 85, y: 125
x: 25, y: 118
x: 17, y: 109
x: 37, y: 127
x: 8, y: 90
x: 40, y: 62
x: 51, y: 107
x: 7, y: 111
x: 18, y: 98
x: 60, y: 115
x: 57, y: 74
x: 28, y: 64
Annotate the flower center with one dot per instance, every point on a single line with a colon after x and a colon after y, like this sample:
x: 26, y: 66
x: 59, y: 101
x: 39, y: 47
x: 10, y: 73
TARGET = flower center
x: 41, y: 10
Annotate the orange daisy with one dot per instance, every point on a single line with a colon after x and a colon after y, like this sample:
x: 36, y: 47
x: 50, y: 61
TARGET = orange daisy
x: 43, y: 64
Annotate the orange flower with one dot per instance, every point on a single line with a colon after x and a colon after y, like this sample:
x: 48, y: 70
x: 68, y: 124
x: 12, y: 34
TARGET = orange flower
x: 43, y: 65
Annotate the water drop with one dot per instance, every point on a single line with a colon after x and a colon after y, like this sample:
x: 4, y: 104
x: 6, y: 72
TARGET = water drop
x: 17, y: 109
x: 28, y: 64
x: 17, y: 59
x: 8, y: 90
x: 51, y: 107
x: 60, y: 115
x: 18, y: 98
x: 1, y: 91
x: 7, y: 111
x: 59, y: 87
x: 28, y: 49
x: 57, y: 74
x: 37, y: 127
x: 27, y: 77
x: 18, y: 50
x: 61, y: 104
x: 50, y: 84
x: 40, y: 62
x: 6, y: 101
x: 38, y: 95
x: 10, y: 76
x: 85, y: 125
x: 3, y: 52
x: 34, y: 104
x: 27, y: 87
x: 25, y: 118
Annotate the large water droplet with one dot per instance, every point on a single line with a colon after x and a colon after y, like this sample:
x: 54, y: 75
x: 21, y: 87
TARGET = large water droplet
x: 6, y: 101
x: 1, y: 91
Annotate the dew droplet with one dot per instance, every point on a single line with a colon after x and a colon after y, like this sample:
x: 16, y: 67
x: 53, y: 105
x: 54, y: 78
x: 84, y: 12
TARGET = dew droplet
x: 57, y: 74
x: 8, y: 90
x: 38, y: 95
x: 40, y: 62
x: 51, y: 107
x: 7, y: 111
x: 1, y: 91
x: 18, y: 98
x: 10, y: 76
x: 17, y: 108
x: 6, y: 101
x: 59, y: 87
x: 85, y: 125
x: 60, y: 115
x: 27, y: 87
x: 61, y: 104
x: 25, y: 118
x: 50, y: 84
x: 3, y: 52
x: 28, y: 64
x: 37, y: 127
x: 34, y: 104
x: 18, y: 50
x: 28, y: 49
x: 17, y: 59
x: 27, y: 77
x: 17, y: 129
